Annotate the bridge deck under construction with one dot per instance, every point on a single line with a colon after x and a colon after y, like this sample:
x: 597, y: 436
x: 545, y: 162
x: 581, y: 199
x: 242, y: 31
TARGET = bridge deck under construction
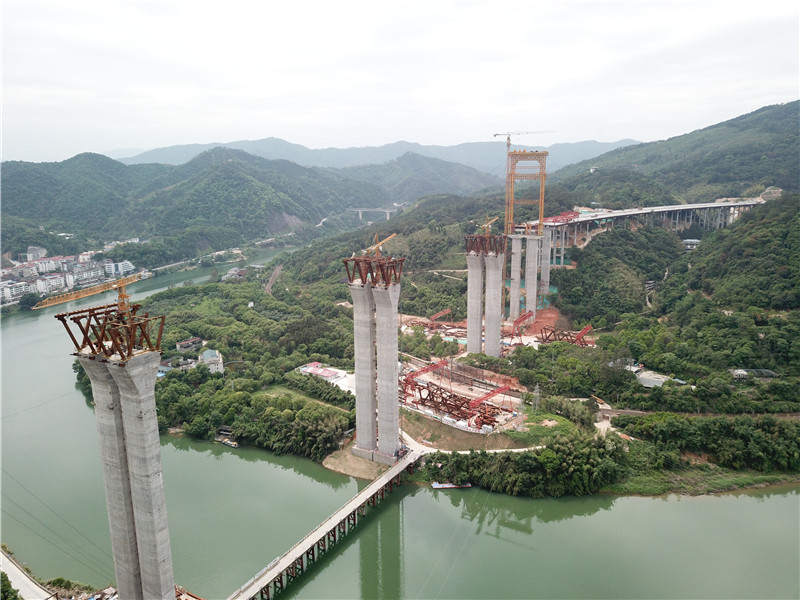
x: 285, y: 569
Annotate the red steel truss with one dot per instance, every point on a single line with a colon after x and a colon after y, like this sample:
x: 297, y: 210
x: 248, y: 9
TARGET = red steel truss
x: 117, y: 334
x: 375, y: 270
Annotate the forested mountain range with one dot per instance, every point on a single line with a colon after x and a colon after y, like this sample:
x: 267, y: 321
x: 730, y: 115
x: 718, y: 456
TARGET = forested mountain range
x: 739, y: 157
x: 223, y: 197
x: 488, y: 157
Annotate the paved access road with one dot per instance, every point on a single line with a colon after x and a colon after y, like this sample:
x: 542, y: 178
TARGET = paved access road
x: 21, y: 581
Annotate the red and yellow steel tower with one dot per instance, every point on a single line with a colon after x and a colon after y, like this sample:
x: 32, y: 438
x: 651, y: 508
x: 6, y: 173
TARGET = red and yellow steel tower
x: 517, y: 169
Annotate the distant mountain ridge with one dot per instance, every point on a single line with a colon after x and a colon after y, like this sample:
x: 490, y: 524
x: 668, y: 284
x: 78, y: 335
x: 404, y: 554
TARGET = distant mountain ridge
x: 223, y: 197
x: 488, y: 157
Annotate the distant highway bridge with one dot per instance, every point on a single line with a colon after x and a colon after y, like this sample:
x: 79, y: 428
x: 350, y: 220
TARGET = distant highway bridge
x: 576, y: 229
x: 387, y: 211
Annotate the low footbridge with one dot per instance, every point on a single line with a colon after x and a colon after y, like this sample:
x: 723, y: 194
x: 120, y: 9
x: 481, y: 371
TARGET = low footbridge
x: 285, y: 569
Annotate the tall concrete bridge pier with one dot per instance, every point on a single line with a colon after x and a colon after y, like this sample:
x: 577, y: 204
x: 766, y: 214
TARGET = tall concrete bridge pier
x: 122, y: 366
x: 374, y: 283
x: 531, y: 270
x: 485, y: 253
x: 474, y: 301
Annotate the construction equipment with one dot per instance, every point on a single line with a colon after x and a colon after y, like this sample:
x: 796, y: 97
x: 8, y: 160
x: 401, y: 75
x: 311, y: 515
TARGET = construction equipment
x: 371, y: 266
x: 489, y: 395
x: 433, y: 317
x: 426, y: 369
x: 510, y: 133
x: 518, y: 322
x: 118, y: 284
x: 487, y: 225
x: 579, y: 338
x: 116, y: 331
x: 551, y: 334
x: 408, y: 380
x: 377, y: 247
x: 513, y: 173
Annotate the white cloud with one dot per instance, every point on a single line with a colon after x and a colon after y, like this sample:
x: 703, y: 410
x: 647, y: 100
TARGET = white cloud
x: 92, y: 76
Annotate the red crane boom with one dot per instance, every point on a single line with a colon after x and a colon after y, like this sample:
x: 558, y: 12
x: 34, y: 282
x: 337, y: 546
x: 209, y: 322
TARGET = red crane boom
x: 441, y: 313
x: 496, y: 391
x: 579, y: 338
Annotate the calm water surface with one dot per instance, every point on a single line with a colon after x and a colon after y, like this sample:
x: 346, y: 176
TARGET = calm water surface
x: 232, y: 511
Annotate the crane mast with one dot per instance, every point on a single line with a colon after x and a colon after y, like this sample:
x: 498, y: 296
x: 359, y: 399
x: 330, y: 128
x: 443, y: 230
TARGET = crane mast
x: 515, y: 172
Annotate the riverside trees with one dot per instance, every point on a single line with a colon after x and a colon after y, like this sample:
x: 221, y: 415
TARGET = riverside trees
x: 574, y: 465
x: 265, y: 342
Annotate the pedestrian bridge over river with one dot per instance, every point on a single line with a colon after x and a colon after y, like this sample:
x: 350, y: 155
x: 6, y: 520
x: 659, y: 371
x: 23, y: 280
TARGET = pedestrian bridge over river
x: 285, y: 569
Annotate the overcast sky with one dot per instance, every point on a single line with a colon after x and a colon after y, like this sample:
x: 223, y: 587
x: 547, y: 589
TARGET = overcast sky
x: 83, y: 76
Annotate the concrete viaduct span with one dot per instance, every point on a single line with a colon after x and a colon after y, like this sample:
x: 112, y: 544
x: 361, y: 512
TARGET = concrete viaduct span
x: 287, y: 568
x: 575, y: 229
x: 387, y: 211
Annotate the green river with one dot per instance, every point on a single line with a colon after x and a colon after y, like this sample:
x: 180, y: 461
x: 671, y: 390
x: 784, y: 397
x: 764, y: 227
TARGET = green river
x: 232, y: 511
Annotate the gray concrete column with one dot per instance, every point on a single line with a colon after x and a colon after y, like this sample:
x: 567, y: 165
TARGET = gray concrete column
x: 364, y: 351
x: 516, y: 263
x: 544, y: 259
x: 386, y: 300
x: 111, y: 436
x: 136, y: 380
x: 531, y: 270
x: 474, y: 302
x: 494, y: 295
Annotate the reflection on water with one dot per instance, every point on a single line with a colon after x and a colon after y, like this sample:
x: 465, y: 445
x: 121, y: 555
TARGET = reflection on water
x: 468, y: 543
x: 219, y: 452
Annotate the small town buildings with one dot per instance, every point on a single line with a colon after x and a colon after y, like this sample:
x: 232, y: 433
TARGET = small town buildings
x: 234, y: 274
x: 322, y: 371
x: 690, y: 244
x: 88, y: 274
x: 213, y: 360
x: 188, y: 345
x: 54, y: 282
x: 11, y: 291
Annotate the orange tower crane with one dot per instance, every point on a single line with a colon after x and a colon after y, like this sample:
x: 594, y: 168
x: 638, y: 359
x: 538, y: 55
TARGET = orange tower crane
x: 118, y: 284
x: 515, y: 172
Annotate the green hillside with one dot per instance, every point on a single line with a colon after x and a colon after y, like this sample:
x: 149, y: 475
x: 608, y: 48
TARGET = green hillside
x: 412, y: 176
x: 739, y: 157
x: 755, y: 263
x: 224, y: 197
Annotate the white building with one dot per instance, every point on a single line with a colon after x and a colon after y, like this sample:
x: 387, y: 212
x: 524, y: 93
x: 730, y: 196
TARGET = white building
x: 13, y: 290
x: 48, y: 284
x: 46, y: 265
x: 213, y: 360
x: 85, y: 274
x: 119, y: 269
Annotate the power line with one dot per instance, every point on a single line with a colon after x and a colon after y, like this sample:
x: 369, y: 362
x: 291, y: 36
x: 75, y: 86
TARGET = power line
x: 43, y: 503
x: 29, y: 408
x: 65, y: 551
x: 48, y: 528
